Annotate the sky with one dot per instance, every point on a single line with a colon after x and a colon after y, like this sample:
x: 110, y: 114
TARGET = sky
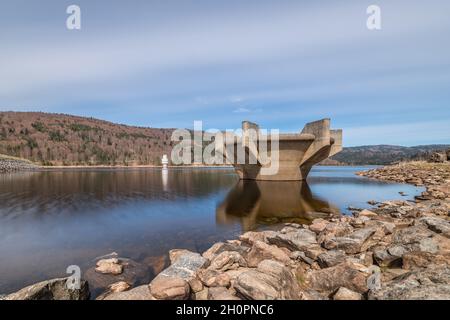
x: 279, y: 63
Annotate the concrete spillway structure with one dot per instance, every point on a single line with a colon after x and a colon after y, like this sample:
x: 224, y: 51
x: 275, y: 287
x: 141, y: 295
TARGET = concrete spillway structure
x: 297, y: 154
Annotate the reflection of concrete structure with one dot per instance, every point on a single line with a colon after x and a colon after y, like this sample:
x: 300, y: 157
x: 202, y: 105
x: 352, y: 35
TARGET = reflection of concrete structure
x: 265, y: 202
x: 297, y: 152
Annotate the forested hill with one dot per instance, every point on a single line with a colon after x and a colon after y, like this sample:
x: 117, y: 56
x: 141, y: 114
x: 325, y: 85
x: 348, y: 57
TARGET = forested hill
x: 385, y: 154
x: 59, y: 139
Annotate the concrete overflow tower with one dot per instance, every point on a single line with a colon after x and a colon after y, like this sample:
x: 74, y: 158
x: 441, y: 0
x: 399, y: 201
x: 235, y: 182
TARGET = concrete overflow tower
x: 298, y: 152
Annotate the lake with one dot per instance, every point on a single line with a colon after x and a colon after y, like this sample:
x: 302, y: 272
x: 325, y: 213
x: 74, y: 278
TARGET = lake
x: 55, y: 218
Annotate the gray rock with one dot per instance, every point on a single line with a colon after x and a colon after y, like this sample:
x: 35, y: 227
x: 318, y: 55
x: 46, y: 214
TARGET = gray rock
x: 384, y: 259
x: 220, y: 247
x: 353, y: 243
x: 263, y: 251
x: 169, y: 288
x: 346, y: 294
x: 54, y: 289
x: 298, y: 240
x: 185, y: 266
x: 432, y: 283
x: 301, y: 256
x: 437, y: 225
x: 270, y: 281
x: 173, y: 282
x: 411, y: 235
x: 345, y: 274
x: 138, y: 293
x: 227, y: 260
x: 331, y: 258
x: 221, y: 293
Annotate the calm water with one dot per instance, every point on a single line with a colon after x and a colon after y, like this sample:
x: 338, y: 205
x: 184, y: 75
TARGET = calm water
x: 52, y: 219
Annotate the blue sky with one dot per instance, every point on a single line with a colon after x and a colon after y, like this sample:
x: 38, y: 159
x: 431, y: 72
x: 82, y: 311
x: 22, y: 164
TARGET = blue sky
x: 279, y: 63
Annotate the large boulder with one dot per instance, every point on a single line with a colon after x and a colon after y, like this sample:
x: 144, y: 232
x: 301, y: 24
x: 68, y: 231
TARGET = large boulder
x: 138, y: 293
x: 227, y: 260
x: 391, y: 256
x: 438, y: 157
x: 418, y: 259
x: 263, y: 251
x: 270, y: 281
x: 432, y: 283
x: 346, y: 294
x: 417, y: 238
x: 55, y: 289
x: 318, y: 225
x: 109, y: 266
x: 352, y: 243
x: 296, y: 240
x: 345, y: 274
x: 221, y: 293
x: 331, y: 258
x: 220, y: 247
x: 251, y: 236
x: 334, y: 229
x: 117, y: 287
x: 185, y: 266
x: 437, y: 225
x: 173, y: 282
x: 165, y: 287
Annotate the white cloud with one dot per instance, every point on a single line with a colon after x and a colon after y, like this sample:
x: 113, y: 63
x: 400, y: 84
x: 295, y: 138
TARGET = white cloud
x: 241, y: 110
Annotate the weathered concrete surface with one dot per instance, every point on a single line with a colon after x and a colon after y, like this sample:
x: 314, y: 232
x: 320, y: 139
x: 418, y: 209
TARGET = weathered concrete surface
x: 297, y: 152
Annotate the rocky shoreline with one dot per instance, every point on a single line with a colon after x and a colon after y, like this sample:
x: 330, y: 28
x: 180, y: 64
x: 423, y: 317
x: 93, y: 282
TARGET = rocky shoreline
x: 10, y: 164
x: 396, y: 250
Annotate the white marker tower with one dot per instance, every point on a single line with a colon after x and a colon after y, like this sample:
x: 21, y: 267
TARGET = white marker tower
x: 165, y: 161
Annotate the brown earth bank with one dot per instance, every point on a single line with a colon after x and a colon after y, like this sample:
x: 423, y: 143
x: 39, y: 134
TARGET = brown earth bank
x: 397, y: 250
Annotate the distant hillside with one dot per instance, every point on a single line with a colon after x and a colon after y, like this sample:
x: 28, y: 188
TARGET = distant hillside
x: 58, y: 139
x: 384, y: 154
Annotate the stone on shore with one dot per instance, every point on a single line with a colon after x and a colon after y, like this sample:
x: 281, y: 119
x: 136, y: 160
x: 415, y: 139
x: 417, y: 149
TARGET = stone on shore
x: 55, y: 289
x: 331, y: 258
x: 220, y: 247
x: 132, y: 271
x: 318, y: 225
x: 432, y: 283
x: 353, y: 243
x: 221, y: 293
x: 437, y: 225
x: 270, y: 281
x: 173, y: 282
x: 138, y: 293
x: 346, y: 294
x: 345, y: 274
x: 296, y: 240
x: 109, y: 266
x: 263, y: 251
x: 169, y: 288
x: 418, y: 259
x: 227, y: 260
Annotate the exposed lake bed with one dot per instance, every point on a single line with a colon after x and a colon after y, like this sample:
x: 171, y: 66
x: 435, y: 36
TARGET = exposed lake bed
x: 56, y: 218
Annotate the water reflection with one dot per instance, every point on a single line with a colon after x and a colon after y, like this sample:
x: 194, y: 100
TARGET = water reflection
x: 252, y: 203
x: 52, y: 219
